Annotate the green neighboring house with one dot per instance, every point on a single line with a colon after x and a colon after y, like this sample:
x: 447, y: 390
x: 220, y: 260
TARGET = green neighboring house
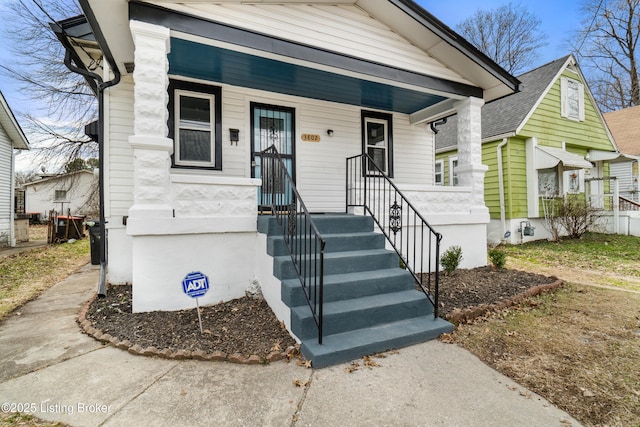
x: 541, y: 143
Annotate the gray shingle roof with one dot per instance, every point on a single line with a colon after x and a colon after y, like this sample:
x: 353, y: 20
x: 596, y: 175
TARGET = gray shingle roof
x: 505, y: 115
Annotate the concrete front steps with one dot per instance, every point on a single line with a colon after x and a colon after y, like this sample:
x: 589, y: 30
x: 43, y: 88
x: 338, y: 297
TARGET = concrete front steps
x: 370, y: 303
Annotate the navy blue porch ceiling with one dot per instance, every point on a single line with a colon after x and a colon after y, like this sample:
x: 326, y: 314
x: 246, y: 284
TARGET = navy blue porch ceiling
x: 215, y: 64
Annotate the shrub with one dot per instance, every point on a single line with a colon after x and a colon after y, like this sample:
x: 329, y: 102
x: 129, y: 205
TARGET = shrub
x: 571, y: 215
x: 450, y: 259
x: 498, y: 258
x: 577, y: 216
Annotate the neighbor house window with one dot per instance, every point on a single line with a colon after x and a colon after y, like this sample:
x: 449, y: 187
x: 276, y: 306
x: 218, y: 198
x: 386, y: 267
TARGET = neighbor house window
x: 195, y: 125
x: 453, y: 174
x: 548, y: 182
x: 60, y: 195
x: 439, y: 172
x: 574, y: 181
x: 377, y: 141
x: 572, y: 99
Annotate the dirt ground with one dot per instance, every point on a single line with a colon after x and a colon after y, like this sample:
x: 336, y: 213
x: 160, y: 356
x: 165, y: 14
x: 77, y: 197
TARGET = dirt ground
x: 248, y: 326
x: 604, y: 279
x: 578, y: 347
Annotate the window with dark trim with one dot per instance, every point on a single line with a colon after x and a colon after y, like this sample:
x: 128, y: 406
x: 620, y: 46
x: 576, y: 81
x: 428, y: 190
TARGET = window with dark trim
x: 377, y: 140
x: 59, y: 195
x: 195, y: 125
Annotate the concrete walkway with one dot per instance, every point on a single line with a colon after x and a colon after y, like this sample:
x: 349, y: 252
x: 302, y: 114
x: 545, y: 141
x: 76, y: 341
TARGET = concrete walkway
x: 48, y: 367
x: 22, y: 247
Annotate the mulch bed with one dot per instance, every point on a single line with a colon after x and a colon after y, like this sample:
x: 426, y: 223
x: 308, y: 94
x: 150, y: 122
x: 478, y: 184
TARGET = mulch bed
x: 470, y: 293
x: 245, y: 330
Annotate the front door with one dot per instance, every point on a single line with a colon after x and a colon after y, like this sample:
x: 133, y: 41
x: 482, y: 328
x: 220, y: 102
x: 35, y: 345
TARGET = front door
x: 272, y: 126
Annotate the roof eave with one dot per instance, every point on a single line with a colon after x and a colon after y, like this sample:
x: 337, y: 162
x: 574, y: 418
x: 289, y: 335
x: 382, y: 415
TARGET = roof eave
x: 14, y: 131
x: 459, y: 43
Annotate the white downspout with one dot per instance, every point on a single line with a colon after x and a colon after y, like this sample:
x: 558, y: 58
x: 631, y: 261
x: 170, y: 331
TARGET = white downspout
x: 12, y: 185
x: 503, y: 215
x: 616, y: 206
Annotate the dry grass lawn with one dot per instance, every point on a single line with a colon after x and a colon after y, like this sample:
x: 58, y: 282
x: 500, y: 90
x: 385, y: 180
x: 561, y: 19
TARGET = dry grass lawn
x: 580, y: 346
x: 25, y: 420
x: 24, y: 276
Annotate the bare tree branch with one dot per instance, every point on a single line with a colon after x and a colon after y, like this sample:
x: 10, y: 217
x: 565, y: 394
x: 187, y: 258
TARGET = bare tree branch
x: 62, y: 102
x: 607, y: 47
x: 510, y: 35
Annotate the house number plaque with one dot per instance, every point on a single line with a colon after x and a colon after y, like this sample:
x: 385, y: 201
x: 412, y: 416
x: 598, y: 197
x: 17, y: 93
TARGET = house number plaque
x: 310, y: 137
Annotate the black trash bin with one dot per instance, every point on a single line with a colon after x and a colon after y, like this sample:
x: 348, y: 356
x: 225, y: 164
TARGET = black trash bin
x: 94, y: 241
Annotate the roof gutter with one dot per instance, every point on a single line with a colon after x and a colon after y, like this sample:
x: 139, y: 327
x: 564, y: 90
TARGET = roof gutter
x: 101, y: 86
x: 458, y: 42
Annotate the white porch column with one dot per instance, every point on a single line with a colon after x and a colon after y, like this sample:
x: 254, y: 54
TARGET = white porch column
x: 470, y: 169
x: 151, y: 147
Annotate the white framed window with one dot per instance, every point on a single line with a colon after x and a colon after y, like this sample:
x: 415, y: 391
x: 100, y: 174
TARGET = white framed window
x: 194, y: 129
x: 453, y: 174
x: 439, y: 172
x: 548, y: 183
x: 195, y: 125
x: 574, y: 181
x: 571, y: 99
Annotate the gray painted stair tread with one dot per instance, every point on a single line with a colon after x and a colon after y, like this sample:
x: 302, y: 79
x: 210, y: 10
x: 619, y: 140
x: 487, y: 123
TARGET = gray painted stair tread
x: 368, y: 302
x: 354, y: 344
x: 387, y: 273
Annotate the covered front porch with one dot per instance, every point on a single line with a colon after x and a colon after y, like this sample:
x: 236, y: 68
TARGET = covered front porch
x: 317, y: 113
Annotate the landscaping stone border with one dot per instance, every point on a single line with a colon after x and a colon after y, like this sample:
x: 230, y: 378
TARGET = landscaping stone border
x: 468, y: 315
x: 457, y: 316
x: 87, y: 328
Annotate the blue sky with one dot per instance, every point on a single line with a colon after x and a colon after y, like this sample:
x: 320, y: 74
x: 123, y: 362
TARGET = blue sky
x: 558, y: 19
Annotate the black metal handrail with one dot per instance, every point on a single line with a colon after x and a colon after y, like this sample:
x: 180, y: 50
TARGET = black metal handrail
x: 414, y: 240
x: 301, y: 236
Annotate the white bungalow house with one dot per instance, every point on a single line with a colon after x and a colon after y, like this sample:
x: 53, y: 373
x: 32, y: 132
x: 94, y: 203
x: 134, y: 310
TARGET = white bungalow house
x: 195, y: 91
x: 11, y: 138
x: 73, y: 192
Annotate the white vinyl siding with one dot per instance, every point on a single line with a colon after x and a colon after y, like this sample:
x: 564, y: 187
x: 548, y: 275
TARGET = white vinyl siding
x: 320, y: 167
x: 119, y: 170
x: 623, y: 172
x: 344, y: 29
x: 5, y: 187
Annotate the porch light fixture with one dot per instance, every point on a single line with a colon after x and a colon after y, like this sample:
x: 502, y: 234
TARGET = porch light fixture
x: 330, y: 132
x: 234, y: 136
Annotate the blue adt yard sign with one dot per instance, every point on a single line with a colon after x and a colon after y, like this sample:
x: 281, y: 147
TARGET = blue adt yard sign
x: 195, y: 284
